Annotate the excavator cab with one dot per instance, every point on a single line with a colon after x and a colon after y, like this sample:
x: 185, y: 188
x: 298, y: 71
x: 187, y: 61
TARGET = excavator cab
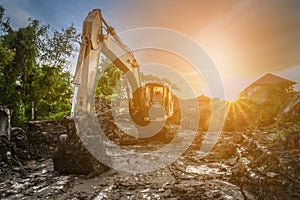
x: 152, y: 102
x: 159, y: 95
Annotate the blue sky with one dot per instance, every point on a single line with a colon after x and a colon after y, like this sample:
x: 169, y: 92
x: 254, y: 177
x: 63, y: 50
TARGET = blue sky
x: 245, y: 39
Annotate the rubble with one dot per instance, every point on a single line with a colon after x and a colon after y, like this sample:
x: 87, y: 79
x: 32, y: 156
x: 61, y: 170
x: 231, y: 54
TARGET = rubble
x: 242, y: 165
x: 37, y: 181
x: 13, y: 143
x: 43, y: 137
x: 269, y: 166
x: 7, y: 159
x: 114, y: 133
x: 252, y: 164
x: 71, y: 156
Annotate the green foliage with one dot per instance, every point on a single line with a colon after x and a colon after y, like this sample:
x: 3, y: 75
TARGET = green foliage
x: 6, y: 54
x: 56, y: 93
x: 4, y: 22
x: 108, y: 79
x: 33, y: 67
x: 110, y: 76
x: 57, y: 46
x: 6, y: 58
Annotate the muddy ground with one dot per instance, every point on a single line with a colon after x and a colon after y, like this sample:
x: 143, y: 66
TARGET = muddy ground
x: 241, y: 166
x: 252, y: 164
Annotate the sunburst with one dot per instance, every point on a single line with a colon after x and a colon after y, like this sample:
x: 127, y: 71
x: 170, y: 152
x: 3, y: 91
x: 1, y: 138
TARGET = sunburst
x: 237, y: 109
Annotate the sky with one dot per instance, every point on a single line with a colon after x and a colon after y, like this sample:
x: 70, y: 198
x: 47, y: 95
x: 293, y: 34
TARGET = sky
x: 245, y: 39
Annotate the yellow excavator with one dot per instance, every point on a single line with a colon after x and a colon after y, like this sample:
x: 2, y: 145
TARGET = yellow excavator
x: 146, y: 100
x: 98, y: 37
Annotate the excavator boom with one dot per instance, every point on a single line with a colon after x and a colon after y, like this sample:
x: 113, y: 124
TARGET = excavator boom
x: 98, y: 37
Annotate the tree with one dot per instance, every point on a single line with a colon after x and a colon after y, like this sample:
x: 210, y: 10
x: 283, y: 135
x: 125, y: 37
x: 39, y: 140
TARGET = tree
x: 33, y: 72
x: 4, y: 22
x: 108, y: 79
x: 54, y: 50
x: 110, y: 76
x: 6, y: 57
x: 53, y: 102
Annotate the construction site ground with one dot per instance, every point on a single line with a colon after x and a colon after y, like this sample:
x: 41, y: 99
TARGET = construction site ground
x: 251, y: 164
x: 242, y: 165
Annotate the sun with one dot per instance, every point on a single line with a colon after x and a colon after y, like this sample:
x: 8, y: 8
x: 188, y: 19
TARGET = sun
x: 233, y: 100
x: 236, y: 108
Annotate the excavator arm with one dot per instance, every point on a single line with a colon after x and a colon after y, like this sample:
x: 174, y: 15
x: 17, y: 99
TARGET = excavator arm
x: 98, y: 37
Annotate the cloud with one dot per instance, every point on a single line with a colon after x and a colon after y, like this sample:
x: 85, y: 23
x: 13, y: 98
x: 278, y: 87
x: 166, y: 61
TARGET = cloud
x: 292, y: 74
x: 17, y: 12
x: 244, y: 38
x: 224, y: 21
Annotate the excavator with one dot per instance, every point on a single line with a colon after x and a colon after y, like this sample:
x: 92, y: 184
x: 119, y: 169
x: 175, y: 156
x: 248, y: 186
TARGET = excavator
x: 146, y: 100
x: 98, y: 37
x: 149, y: 104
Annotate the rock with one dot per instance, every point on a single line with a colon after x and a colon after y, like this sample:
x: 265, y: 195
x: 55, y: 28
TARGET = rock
x: 71, y: 156
x: 43, y: 137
